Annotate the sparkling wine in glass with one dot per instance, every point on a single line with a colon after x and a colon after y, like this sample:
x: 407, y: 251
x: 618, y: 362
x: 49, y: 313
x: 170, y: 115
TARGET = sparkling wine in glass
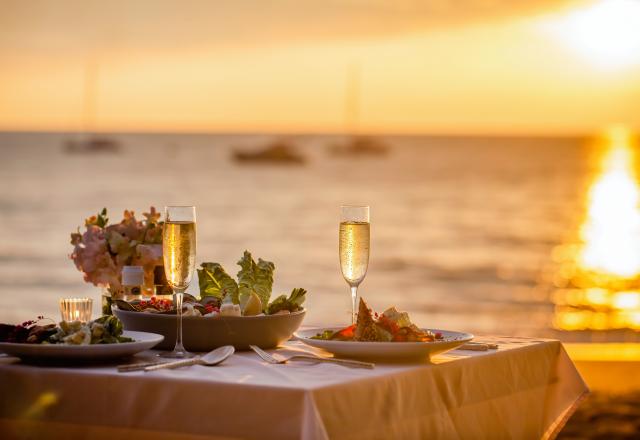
x: 354, y: 249
x: 179, y: 255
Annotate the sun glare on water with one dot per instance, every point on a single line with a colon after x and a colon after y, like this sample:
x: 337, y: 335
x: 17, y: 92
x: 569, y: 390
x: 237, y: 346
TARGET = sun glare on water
x: 599, y: 278
x: 611, y: 232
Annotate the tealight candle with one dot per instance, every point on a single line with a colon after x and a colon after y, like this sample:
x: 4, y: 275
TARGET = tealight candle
x: 76, y: 309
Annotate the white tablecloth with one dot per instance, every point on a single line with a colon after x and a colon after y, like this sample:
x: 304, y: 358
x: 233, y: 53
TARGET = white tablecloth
x: 524, y: 390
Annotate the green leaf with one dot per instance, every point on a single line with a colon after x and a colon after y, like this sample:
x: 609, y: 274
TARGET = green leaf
x: 297, y: 296
x: 325, y: 335
x: 102, y: 218
x: 214, y: 281
x: 293, y: 303
x: 113, y: 326
x: 256, y: 278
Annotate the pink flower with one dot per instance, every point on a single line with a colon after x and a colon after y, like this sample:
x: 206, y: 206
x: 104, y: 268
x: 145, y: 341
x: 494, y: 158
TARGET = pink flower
x: 102, y: 250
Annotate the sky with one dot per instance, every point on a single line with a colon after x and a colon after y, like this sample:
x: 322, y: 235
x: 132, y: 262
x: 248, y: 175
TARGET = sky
x: 454, y: 67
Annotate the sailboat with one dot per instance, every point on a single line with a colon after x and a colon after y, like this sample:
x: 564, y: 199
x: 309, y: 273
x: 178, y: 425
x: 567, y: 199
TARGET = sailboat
x: 356, y: 145
x: 280, y: 151
x: 88, y: 142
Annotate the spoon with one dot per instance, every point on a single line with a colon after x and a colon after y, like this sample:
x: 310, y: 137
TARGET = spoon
x: 210, y: 359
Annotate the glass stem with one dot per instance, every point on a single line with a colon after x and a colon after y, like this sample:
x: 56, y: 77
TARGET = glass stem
x: 179, y: 298
x: 354, y: 300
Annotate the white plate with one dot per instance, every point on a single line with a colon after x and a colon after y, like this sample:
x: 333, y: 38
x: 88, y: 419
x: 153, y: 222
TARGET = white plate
x: 142, y: 341
x: 385, y: 350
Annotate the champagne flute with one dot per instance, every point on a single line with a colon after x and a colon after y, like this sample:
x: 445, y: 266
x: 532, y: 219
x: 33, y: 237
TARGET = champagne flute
x: 179, y: 255
x: 354, y: 249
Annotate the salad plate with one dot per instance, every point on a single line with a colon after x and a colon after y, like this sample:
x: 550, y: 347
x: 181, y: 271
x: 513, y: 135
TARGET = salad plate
x: 141, y: 341
x: 388, y: 335
x: 385, y: 350
x: 230, y: 311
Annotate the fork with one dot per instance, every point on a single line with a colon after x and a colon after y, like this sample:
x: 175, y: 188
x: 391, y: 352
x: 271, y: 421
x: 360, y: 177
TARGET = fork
x: 277, y: 359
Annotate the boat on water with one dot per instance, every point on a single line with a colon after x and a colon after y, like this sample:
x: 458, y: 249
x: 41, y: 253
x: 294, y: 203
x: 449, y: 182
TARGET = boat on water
x: 359, y: 146
x: 278, y: 152
x: 92, y: 145
x: 88, y: 141
x: 356, y: 145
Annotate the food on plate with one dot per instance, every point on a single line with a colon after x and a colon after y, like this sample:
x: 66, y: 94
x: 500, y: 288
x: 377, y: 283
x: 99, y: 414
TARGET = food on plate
x: 228, y: 308
x: 251, y: 292
x: 284, y: 304
x: 252, y: 305
x: 104, y: 330
x: 222, y: 295
x: 390, y: 326
x: 252, y: 278
x: 366, y: 328
x: 190, y: 310
x: 156, y: 304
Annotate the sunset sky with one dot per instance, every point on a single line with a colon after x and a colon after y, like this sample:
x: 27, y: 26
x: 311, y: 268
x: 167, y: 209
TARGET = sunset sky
x: 466, y: 66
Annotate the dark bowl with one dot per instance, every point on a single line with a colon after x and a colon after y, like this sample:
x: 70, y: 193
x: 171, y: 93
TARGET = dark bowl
x: 205, y: 334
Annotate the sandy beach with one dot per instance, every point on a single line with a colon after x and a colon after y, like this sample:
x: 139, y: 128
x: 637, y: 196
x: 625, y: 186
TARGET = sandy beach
x: 604, y: 416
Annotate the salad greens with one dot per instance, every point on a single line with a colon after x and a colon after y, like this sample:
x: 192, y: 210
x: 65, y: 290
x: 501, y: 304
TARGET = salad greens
x: 214, y: 281
x: 293, y: 303
x: 105, y: 330
x: 252, y: 278
x: 256, y: 278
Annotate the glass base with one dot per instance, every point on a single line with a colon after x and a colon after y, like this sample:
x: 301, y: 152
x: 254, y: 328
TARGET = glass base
x: 176, y: 354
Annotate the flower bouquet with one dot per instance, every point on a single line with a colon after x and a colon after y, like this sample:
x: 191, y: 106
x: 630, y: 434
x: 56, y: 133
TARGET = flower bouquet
x: 102, y: 250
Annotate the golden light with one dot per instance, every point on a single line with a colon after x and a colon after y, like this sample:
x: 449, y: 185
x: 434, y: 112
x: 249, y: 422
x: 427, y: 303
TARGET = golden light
x: 626, y: 300
x: 606, y: 32
x: 44, y: 401
x: 611, y: 232
x: 601, y: 275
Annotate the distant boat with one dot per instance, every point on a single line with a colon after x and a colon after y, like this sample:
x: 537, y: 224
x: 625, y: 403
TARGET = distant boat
x: 278, y: 152
x: 88, y: 143
x: 92, y: 145
x: 360, y: 146
x: 356, y: 145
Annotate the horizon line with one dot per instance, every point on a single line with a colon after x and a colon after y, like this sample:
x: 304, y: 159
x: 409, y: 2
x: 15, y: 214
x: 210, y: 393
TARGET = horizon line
x: 466, y: 134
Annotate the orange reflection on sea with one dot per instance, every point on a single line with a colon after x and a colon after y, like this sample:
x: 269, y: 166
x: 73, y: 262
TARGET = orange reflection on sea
x: 598, y: 278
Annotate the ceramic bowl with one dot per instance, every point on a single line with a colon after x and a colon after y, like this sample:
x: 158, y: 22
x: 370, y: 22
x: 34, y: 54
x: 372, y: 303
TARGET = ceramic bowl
x: 204, y: 334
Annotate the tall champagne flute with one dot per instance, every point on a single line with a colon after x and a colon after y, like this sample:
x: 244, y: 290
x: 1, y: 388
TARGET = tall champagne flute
x: 354, y: 249
x: 179, y: 255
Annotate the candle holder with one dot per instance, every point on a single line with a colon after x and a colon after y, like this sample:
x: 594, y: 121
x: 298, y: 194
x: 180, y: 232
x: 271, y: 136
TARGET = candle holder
x: 76, y: 309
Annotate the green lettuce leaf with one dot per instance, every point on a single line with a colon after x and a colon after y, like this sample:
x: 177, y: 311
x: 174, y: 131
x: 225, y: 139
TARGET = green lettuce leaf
x: 112, y: 324
x: 214, y: 281
x: 293, y: 303
x: 256, y: 278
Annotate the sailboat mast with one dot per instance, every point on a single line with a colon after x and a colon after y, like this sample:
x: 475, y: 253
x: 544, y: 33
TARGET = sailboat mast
x: 352, y: 99
x: 89, y: 97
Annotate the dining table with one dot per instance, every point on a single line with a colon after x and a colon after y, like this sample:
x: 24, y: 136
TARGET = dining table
x: 527, y: 388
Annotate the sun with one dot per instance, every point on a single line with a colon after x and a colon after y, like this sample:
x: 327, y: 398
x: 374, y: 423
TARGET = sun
x: 606, y: 32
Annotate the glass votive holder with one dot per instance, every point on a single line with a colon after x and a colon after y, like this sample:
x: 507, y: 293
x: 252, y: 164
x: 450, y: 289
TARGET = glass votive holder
x: 76, y: 309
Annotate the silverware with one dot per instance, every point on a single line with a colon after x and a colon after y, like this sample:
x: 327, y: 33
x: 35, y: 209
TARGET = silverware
x: 139, y: 366
x: 478, y: 346
x: 210, y: 359
x: 277, y: 359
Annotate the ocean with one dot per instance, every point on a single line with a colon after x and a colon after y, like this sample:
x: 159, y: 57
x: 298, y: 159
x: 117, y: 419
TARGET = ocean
x: 463, y: 229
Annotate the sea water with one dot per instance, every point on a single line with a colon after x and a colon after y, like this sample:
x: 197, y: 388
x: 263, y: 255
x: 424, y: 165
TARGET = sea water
x: 462, y: 228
